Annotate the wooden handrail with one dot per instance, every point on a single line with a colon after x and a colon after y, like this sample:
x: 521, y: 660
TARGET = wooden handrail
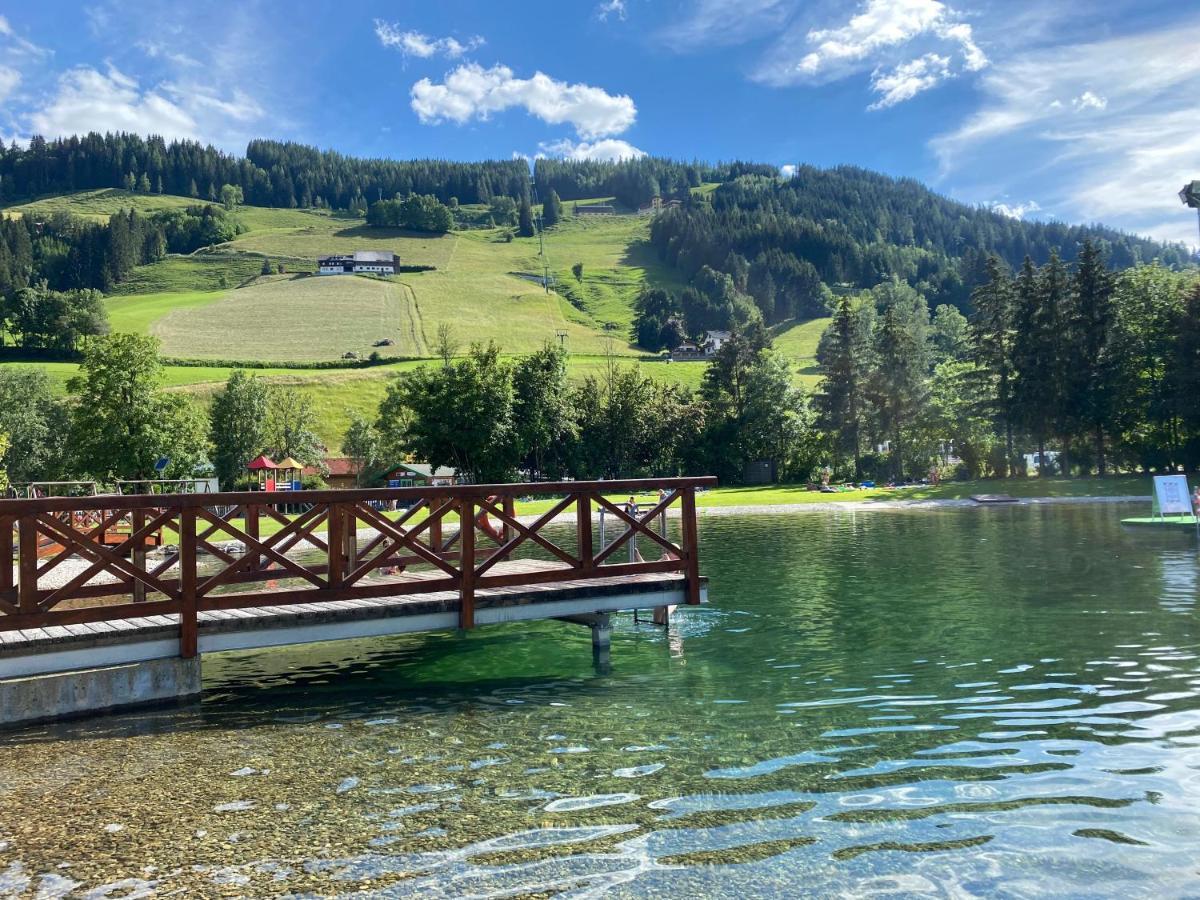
x: 21, y: 507
x: 202, y: 573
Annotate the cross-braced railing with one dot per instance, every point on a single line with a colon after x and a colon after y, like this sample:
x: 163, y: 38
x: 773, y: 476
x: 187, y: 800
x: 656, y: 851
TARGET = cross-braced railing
x: 81, y: 560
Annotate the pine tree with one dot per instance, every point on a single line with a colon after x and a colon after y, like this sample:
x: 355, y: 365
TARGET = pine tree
x: 1092, y: 371
x: 1182, y: 376
x: 843, y: 355
x: 525, y: 219
x: 551, y: 209
x: 897, y: 385
x: 992, y: 336
x: 193, y: 191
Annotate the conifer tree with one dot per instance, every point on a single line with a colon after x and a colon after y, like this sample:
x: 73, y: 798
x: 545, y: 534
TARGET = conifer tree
x: 1092, y: 371
x: 843, y: 355
x: 525, y: 219
x: 992, y: 336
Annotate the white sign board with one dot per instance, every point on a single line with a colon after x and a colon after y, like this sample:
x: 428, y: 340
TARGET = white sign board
x: 1171, y: 495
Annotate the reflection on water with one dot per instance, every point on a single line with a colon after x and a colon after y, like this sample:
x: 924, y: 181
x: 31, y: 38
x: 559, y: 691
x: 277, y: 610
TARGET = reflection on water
x: 955, y: 702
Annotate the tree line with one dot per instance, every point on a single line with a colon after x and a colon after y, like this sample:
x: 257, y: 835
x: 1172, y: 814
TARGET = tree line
x: 68, y: 253
x: 1098, y: 366
x: 272, y: 173
x: 116, y: 422
x: 858, y: 228
x: 633, y: 182
x: 417, y: 212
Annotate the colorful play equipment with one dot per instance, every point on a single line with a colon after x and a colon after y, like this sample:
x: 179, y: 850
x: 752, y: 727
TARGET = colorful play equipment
x: 287, y: 477
x: 276, y: 476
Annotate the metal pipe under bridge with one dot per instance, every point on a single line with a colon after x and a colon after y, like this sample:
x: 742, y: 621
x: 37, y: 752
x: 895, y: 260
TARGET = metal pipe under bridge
x: 111, y: 600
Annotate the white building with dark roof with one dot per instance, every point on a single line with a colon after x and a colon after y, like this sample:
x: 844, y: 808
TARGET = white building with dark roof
x: 360, y: 262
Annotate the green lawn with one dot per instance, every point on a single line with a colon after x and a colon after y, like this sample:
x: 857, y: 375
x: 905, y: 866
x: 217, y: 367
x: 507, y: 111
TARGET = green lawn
x: 301, y: 234
x: 99, y: 205
x: 198, y: 272
x: 786, y: 495
x: 135, y: 314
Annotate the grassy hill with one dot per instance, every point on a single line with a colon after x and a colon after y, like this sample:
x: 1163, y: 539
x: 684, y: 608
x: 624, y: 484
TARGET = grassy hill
x: 98, y: 205
x: 216, y: 305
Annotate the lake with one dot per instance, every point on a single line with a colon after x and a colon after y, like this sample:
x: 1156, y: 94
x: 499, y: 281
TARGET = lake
x: 951, y: 702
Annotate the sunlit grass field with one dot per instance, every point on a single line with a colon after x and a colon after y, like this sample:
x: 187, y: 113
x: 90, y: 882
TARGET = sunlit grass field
x: 216, y: 304
x: 99, y: 205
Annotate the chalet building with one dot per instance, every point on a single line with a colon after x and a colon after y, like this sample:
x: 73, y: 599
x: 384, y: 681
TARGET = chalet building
x: 420, y: 475
x: 705, y: 349
x: 360, y: 262
x: 596, y: 209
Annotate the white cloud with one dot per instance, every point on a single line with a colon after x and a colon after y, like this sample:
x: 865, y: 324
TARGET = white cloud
x: 1015, y: 210
x: 604, y: 150
x: 414, y: 43
x: 1120, y: 163
x: 473, y: 92
x: 908, y: 45
x: 611, y: 8
x: 908, y: 79
x: 726, y: 22
x: 788, y: 171
x: 159, y: 50
x: 1088, y: 100
x: 16, y: 44
x: 9, y: 79
x: 89, y: 100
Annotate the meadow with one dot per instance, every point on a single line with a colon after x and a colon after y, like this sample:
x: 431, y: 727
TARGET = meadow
x: 98, y: 205
x: 216, y: 305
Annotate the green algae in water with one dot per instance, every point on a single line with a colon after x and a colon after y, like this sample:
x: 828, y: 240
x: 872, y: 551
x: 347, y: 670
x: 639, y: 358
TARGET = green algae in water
x: 952, y: 701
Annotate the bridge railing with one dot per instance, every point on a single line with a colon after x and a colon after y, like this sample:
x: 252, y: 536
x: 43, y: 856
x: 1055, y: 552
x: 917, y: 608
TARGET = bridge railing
x: 82, y: 560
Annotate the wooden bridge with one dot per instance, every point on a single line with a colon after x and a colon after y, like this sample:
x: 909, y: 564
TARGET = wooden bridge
x: 117, y: 596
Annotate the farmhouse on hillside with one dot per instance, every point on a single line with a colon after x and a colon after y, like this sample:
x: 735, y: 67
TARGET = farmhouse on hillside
x: 361, y: 261
x: 704, y: 349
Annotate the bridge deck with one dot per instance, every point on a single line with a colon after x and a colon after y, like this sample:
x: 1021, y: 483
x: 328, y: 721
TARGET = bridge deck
x: 56, y: 647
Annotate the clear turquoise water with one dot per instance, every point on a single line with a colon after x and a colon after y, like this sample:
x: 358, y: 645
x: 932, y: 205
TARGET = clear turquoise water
x: 961, y: 702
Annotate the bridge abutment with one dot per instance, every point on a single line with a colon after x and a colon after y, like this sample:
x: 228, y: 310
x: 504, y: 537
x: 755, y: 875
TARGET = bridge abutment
x: 78, y: 692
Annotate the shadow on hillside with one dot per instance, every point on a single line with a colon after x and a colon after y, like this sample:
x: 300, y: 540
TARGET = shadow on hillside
x: 374, y: 233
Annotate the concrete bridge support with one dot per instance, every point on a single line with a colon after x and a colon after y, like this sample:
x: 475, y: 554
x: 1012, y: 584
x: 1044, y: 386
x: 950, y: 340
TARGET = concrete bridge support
x: 78, y: 692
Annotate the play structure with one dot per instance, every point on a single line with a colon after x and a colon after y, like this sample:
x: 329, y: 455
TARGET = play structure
x: 276, y: 476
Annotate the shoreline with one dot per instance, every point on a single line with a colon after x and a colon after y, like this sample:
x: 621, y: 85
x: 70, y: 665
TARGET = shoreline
x: 867, y: 505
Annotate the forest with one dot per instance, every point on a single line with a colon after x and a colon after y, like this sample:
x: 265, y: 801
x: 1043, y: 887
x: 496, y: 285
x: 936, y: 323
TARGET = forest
x: 1062, y: 368
x: 272, y: 173
x: 757, y: 244
x: 854, y: 228
x: 65, y: 252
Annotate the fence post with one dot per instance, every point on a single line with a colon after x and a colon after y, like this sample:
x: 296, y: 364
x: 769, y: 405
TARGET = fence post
x: 187, y: 583
x: 138, y: 554
x: 28, y: 560
x: 583, y: 528
x: 336, y: 545
x: 510, y: 510
x: 435, y: 527
x: 350, y: 536
x: 6, y: 571
x: 466, y: 564
x: 691, y: 549
x: 252, y: 515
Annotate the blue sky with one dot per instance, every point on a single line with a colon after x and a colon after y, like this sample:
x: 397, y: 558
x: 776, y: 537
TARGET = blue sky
x: 1078, y: 111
